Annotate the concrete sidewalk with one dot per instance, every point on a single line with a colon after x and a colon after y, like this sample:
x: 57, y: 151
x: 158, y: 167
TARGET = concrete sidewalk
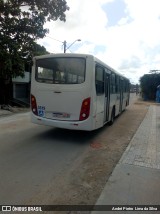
x: 5, y: 113
x: 136, y: 178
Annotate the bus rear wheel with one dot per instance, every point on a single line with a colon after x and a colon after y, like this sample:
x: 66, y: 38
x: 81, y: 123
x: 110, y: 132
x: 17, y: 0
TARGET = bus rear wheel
x: 112, y: 117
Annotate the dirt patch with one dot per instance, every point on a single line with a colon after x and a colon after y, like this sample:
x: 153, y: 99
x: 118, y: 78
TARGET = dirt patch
x: 83, y: 184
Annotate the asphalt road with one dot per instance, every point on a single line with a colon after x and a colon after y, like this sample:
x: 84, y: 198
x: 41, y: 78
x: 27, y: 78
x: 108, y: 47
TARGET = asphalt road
x: 31, y: 156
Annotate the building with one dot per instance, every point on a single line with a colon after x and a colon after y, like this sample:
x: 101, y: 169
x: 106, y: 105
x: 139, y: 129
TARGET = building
x: 21, y: 89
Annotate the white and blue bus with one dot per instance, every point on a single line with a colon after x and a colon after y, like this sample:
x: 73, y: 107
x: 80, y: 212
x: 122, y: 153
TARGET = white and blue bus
x: 76, y: 91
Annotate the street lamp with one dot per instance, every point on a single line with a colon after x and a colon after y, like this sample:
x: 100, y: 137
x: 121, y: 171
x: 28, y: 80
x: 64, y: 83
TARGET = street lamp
x: 65, y: 44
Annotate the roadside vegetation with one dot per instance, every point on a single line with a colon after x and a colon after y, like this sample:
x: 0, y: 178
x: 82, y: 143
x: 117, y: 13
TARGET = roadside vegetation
x: 21, y: 24
x: 149, y: 84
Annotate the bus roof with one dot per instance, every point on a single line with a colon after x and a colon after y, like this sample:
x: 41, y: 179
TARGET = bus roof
x: 63, y: 55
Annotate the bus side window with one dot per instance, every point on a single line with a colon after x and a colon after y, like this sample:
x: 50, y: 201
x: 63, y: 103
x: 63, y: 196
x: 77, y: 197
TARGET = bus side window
x: 125, y: 86
x: 99, y: 80
x: 113, y: 84
x: 117, y: 84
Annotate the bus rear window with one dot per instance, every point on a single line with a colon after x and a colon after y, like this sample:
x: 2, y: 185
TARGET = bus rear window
x: 64, y: 70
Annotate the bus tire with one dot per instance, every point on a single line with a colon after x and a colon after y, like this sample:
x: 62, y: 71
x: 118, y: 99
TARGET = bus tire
x: 112, y: 117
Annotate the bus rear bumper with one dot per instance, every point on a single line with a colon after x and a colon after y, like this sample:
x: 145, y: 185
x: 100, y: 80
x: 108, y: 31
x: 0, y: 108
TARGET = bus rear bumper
x: 87, y: 124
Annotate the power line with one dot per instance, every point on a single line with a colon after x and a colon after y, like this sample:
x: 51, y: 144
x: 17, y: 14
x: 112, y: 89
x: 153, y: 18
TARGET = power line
x: 64, y: 43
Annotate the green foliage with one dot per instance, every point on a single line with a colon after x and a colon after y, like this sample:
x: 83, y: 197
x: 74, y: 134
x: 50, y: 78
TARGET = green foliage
x: 38, y: 50
x: 149, y: 83
x: 21, y: 23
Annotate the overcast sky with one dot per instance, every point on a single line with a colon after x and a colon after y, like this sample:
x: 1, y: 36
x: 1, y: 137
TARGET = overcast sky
x: 125, y: 34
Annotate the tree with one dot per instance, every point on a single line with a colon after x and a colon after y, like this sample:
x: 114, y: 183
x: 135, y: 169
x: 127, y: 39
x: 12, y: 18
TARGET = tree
x: 37, y: 51
x: 21, y: 23
x: 149, y: 83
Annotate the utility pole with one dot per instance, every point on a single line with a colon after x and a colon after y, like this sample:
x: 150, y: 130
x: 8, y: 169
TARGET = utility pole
x: 65, y: 45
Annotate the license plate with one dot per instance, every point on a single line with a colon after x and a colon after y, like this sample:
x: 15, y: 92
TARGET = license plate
x: 61, y: 115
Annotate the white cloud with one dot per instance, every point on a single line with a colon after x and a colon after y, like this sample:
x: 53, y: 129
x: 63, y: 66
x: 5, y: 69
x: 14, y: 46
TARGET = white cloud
x: 131, y: 46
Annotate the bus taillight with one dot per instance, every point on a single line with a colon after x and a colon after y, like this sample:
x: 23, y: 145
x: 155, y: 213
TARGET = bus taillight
x: 85, y: 109
x: 34, y: 105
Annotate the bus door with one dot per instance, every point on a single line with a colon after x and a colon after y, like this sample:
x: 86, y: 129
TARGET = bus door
x: 121, y: 95
x: 107, y: 96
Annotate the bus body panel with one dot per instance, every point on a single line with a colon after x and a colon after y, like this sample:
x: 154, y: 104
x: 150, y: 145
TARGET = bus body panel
x: 59, y: 105
x: 87, y: 125
x: 99, y: 111
x: 125, y: 101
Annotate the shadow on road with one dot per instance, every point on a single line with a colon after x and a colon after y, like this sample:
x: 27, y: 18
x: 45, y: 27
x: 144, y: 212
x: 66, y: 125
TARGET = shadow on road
x: 69, y: 136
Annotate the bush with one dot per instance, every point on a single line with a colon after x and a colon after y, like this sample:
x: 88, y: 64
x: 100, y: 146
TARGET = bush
x: 149, y: 83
